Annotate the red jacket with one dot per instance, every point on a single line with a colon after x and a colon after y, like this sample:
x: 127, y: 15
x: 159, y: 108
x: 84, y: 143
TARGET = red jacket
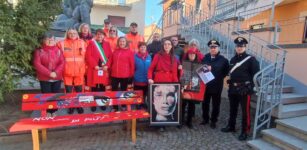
x: 121, y: 63
x: 163, y: 69
x: 92, y: 57
x: 46, y: 60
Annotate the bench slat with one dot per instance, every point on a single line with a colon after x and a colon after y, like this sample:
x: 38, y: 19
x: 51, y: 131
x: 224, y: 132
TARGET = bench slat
x: 69, y: 96
x: 74, y: 103
x: 74, y: 120
x: 71, y: 100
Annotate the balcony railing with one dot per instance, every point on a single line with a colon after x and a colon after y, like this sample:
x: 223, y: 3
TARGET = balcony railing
x: 112, y: 2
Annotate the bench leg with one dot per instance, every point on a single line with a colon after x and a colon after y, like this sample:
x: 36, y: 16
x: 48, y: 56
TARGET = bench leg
x: 133, y: 131
x: 44, y: 135
x: 35, y: 139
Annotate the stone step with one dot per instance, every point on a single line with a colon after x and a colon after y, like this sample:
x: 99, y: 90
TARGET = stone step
x: 292, y: 110
x: 286, y: 89
x: 260, y: 144
x: 283, y: 140
x: 293, y: 98
x: 295, y: 126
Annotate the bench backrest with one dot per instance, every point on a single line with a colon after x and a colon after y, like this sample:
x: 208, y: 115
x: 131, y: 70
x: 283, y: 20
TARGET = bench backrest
x: 32, y: 102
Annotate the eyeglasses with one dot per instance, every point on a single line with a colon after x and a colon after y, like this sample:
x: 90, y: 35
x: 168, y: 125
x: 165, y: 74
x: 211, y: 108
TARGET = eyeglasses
x: 174, y: 40
x: 112, y: 30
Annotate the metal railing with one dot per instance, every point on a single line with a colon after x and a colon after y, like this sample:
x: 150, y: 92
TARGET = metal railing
x: 230, y: 8
x: 112, y: 2
x: 268, y: 81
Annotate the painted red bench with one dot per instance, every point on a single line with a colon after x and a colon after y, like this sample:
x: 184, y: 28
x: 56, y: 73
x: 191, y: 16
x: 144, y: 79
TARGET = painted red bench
x: 42, y: 102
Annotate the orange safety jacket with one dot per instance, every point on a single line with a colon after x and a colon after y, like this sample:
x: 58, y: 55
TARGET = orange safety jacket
x: 134, y: 41
x: 74, y: 54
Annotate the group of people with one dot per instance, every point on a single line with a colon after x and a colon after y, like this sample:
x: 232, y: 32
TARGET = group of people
x: 104, y: 61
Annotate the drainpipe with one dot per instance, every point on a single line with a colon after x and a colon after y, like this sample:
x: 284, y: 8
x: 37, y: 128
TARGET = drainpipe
x: 272, y: 14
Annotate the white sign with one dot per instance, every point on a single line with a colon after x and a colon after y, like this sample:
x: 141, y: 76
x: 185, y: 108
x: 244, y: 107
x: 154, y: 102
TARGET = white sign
x: 205, y: 75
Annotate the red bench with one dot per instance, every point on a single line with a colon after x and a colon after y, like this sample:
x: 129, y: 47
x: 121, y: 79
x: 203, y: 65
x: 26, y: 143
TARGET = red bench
x: 42, y: 102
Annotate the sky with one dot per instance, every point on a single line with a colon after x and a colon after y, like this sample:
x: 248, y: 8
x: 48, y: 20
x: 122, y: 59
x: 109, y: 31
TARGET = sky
x: 153, y: 11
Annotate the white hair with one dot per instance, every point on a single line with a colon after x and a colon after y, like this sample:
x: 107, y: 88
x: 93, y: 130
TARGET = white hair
x: 194, y: 41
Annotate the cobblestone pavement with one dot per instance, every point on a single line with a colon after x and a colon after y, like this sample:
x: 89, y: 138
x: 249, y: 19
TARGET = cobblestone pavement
x: 112, y: 136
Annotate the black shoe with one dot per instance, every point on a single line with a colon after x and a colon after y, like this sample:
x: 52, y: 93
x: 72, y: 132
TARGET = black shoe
x: 93, y: 109
x: 103, y: 108
x: 190, y: 126
x: 179, y: 127
x: 242, y: 137
x: 80, y: 110
x: 162, y: 129
x: 70, y: 110
x: 212, y: 125
x: 204, y: 122
x: 228, y: 129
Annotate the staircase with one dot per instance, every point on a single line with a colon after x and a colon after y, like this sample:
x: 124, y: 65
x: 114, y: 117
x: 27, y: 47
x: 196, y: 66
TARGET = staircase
x: 289, y: 133
x: 272, y: 97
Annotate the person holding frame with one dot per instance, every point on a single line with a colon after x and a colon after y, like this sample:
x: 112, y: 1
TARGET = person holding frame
x: 164, y: 67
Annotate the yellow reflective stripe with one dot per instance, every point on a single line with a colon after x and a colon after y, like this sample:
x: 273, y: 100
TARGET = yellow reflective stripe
x: 74, y: 59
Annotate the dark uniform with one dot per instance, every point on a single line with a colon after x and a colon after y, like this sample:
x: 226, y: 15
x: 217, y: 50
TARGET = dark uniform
x: 219, y: 68
x: 240, y: 89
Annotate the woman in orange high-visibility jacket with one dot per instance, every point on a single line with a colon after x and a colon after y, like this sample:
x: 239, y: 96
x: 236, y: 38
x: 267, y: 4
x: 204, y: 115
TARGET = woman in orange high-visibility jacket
x: 112, y: 38
x: 74, y: 53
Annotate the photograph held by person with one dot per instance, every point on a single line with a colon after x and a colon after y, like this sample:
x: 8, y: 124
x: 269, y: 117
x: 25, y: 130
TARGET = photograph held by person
x: 164, y: 67
x: 121, y: 66
x: 49, y: 65
x: 142, y: 62
x: 191, y: 56
x: 155, y: 45
x: 74, y: 53
x: 243, y: 67
x: 97, y: 55
x: 219, y: 66
x: 106, y: 26
x: 134, y: 37
x: 112, y: 39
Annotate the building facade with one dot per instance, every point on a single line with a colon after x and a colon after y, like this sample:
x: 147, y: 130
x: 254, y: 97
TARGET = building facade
x: 120, y: 12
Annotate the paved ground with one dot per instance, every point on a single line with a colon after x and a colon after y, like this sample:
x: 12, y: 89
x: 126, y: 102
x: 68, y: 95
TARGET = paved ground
x: 114, y: 137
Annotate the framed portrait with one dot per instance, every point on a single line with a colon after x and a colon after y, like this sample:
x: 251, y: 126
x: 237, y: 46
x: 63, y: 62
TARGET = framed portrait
x: 165, y: 104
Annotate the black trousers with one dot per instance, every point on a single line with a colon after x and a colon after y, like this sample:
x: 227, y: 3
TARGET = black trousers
x: 191, y: 110
x: 50, y: 87
x: 216, y: 101
x: 98, y: 88
x: 244, y: 101
x: 69, y: 89
x: 144, y: 89
x: 115, y: 82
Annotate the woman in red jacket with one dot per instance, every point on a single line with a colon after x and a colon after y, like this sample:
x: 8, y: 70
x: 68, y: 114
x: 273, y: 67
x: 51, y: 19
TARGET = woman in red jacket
x: 96, y: 57
x: 49, y: 65
x: 165, y: 66
x: 121, y: 66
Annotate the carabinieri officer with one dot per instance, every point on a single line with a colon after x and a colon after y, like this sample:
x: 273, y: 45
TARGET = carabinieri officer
x: 243, y: 67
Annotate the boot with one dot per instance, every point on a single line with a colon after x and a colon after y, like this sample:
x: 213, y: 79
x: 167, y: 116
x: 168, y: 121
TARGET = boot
x: 228, y: 129
x: 243, y: 136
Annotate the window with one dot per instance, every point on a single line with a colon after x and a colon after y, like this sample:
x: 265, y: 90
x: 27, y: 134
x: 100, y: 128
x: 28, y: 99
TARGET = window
x: 117, y: 20
x: 256, y: 26
x: 305, y: 32
x: 197, y: 6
